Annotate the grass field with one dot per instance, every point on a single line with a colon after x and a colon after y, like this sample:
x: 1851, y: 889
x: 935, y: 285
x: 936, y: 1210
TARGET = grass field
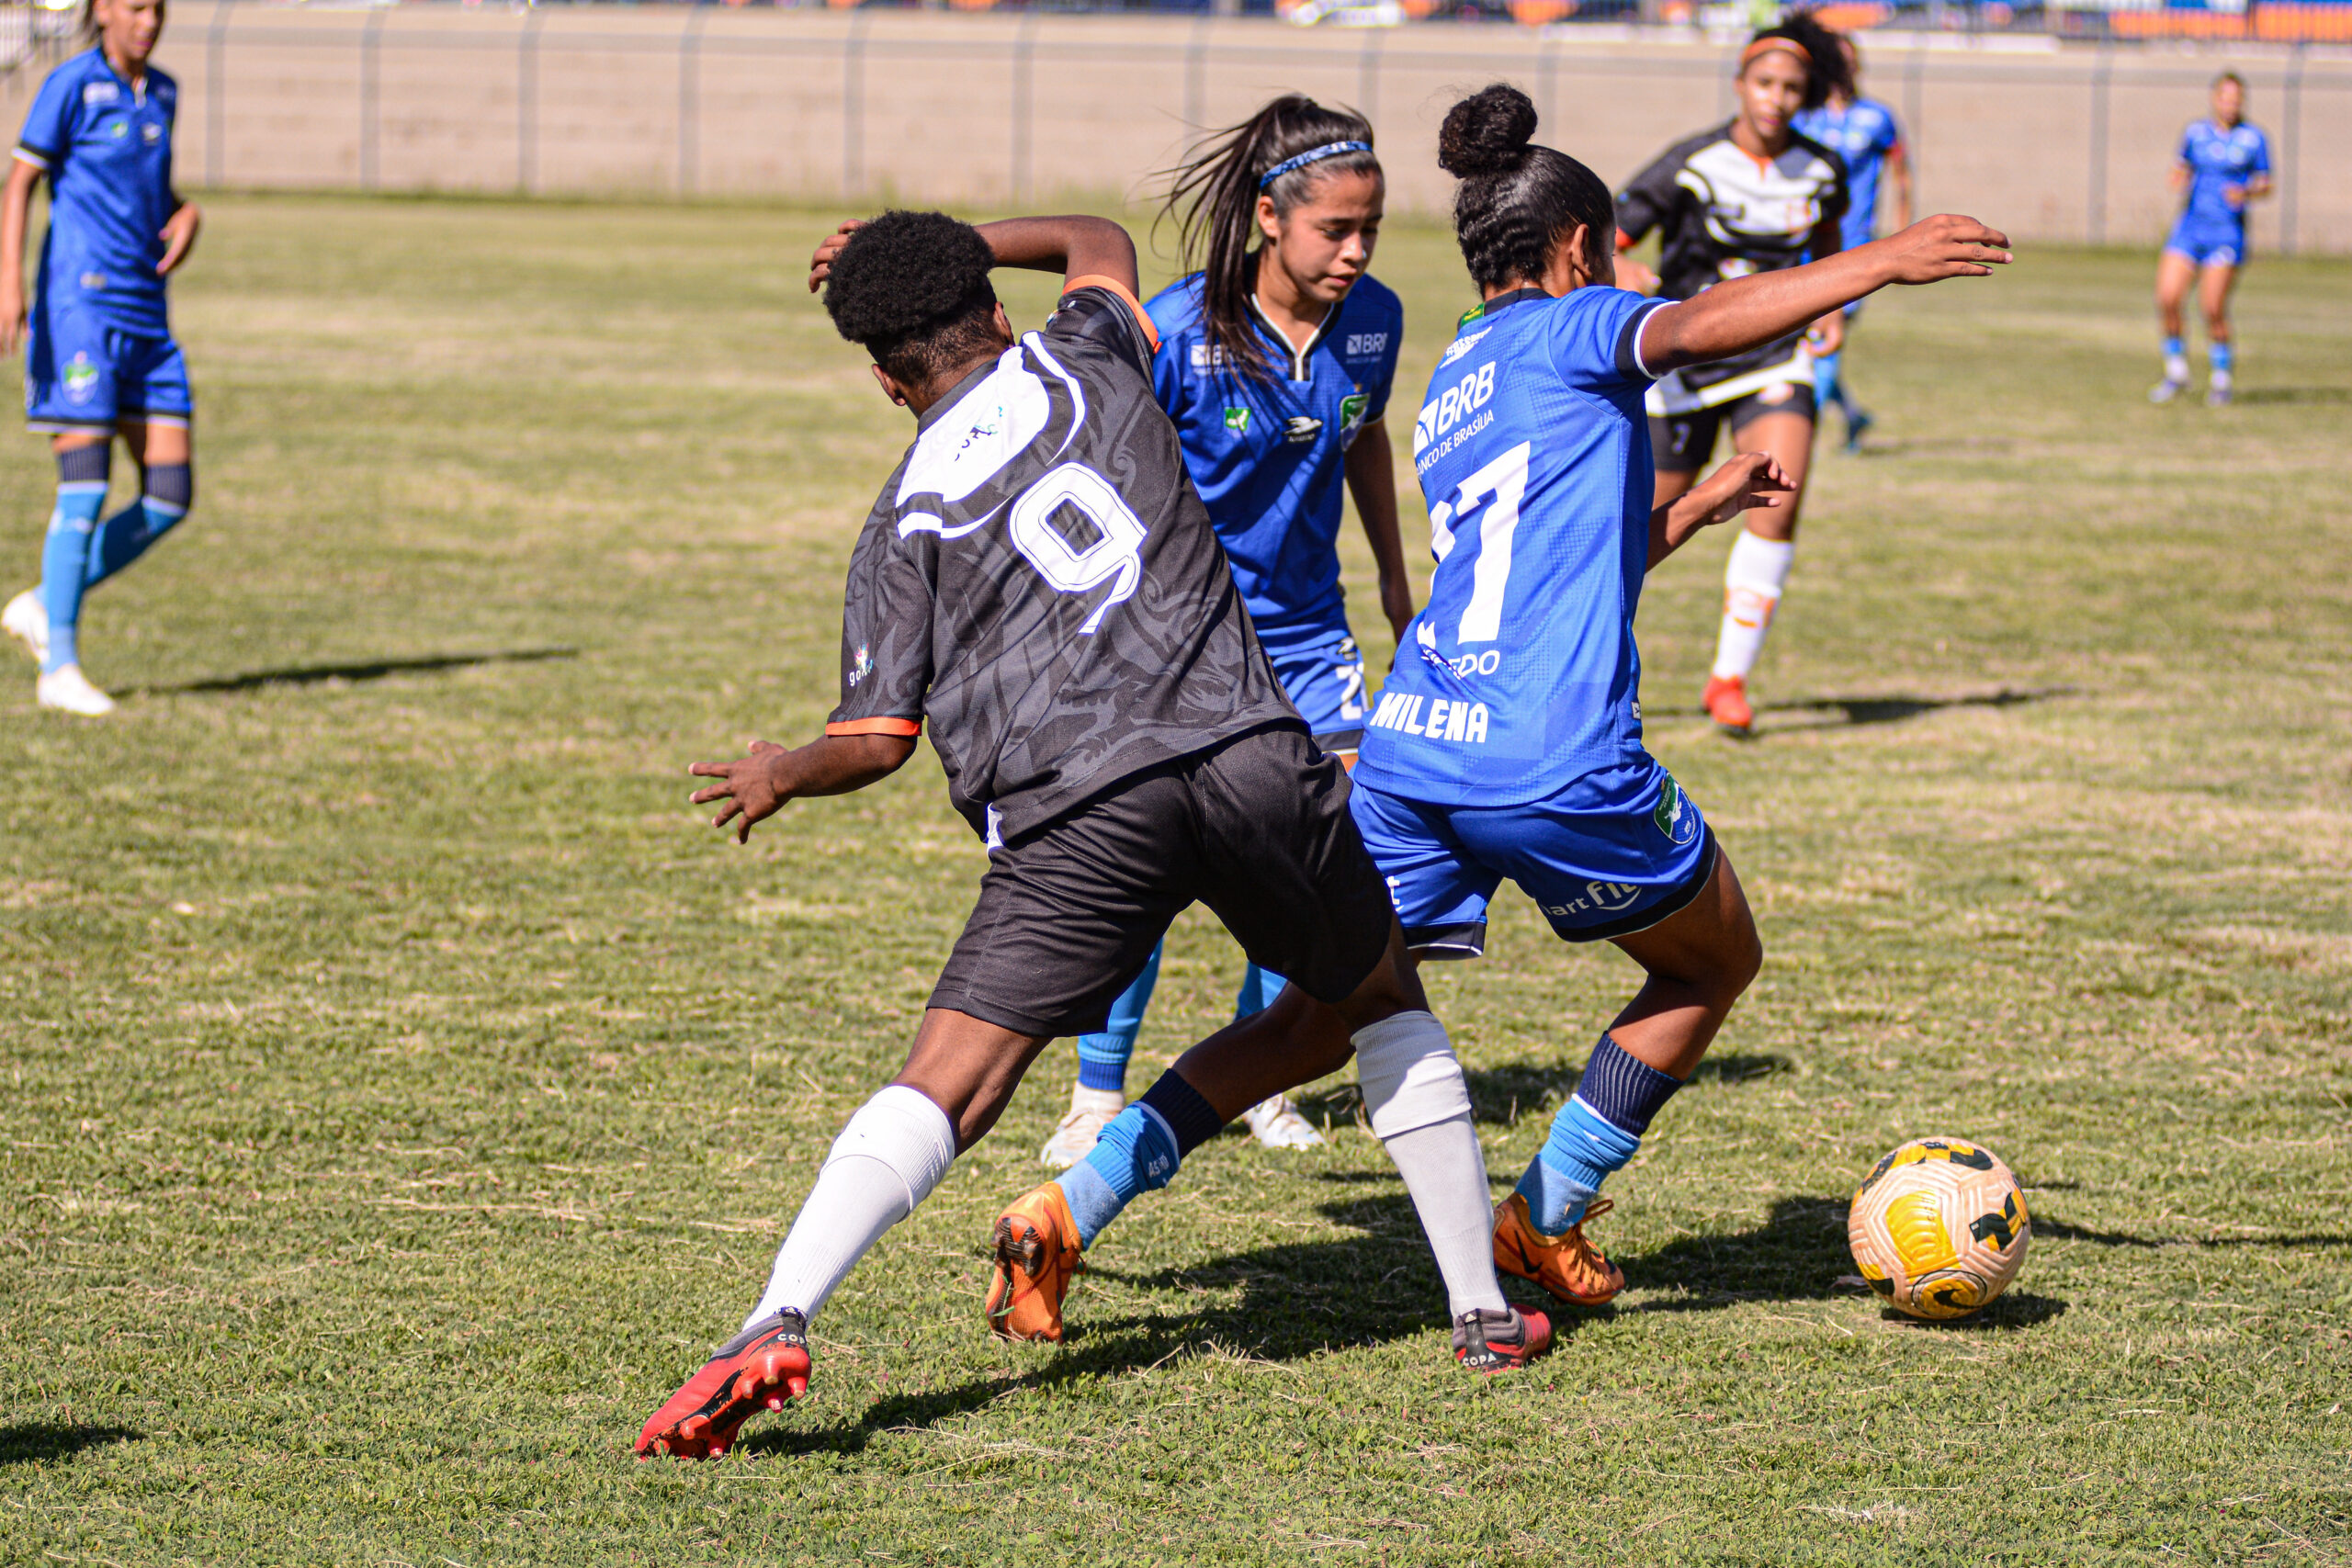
x: 404, y: 1090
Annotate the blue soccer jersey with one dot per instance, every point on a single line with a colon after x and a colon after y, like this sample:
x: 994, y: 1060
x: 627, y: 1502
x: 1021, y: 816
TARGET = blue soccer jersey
x: 1267, y: 456
x: 1863, y: 134
x: 2220, y: 164
x: 107, y: 148
x: 1520, y: 674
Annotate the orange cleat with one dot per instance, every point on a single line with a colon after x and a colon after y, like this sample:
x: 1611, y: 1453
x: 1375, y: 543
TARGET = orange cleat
x: 757, y: 1369
x: 1726, y: 700
x: 1036, y: 1253
x: 1489, y: 1341
x: 1567, y: 1265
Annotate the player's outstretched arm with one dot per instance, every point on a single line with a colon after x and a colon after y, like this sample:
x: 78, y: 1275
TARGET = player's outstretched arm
x: 1752, y: 481
x: 1747, y: 312
x: 1075, y: 246
x: 757, y: 786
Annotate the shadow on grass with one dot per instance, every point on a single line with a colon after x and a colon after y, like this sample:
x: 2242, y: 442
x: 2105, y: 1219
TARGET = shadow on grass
x: 1853, y: 712
x: 2058, y: 1230
x: 29, y: 1442
x: 377, y: 669
x: 1503, y: 1095
x: 2296, y: 394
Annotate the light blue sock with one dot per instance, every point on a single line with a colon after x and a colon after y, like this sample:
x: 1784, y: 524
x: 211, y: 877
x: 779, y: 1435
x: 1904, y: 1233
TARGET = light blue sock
x: 64, y: 562
x: 2174, y: 349
x: 2222, y: 357
x: 1825, y: 388
x: 1259, y: 989
x: 1136, y: 1154
x: 1567, y: 1171
x: 167, y: 491
x: 1102, y: 1058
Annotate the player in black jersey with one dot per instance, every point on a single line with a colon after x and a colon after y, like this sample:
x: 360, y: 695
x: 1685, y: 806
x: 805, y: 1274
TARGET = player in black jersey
x: 1747, y: 197
x: 1039, y: 581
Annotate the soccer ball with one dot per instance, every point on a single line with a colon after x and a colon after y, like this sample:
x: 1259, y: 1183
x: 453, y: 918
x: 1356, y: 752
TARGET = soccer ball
x: 1939, y: 1227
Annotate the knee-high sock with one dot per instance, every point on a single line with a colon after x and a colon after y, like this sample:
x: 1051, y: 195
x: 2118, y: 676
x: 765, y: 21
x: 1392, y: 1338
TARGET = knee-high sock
x: 1102, y: 1058
x: 2223, y: 360
x: 1754, y: 580
x: 64, y: 556
x: 1827, y: 389
x: 1419, y: 1105
x: 1595, y: 1133
x: 166, y: 492
x: 1137, y: 1153
x: 886, y: 1162
x: 2175, y: 360
x: 1259, y: 989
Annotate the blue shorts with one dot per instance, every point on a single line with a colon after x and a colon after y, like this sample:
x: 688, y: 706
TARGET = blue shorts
x: 1612, y: 854
x: 82, y: 374
x: 1325, y: 682
x: 2207, y: 243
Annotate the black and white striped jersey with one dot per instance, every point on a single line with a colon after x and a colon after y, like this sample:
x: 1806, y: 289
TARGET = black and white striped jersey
x: 1039, y: 581
x: 1723, y: 213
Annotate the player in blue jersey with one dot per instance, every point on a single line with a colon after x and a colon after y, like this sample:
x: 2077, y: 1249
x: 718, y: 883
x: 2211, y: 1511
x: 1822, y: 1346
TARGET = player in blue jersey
x: 99, y: 355
x: 1863, y: 133
x: 2224, y: 163
x: 1507, y: 743
x: 1276, y: 359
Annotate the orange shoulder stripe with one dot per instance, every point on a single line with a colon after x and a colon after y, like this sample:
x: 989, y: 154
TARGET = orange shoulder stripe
x: 1143, y: 317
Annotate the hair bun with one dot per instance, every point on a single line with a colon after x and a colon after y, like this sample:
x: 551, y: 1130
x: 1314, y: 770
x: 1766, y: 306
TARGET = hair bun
x: 1486, y: 133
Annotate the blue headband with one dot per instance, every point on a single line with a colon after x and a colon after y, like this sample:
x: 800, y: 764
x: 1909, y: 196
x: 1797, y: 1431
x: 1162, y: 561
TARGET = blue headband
x: 1312, y: 155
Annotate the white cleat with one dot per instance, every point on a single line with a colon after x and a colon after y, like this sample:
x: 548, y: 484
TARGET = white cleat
x: 1277, y: 1124
x: 27, y: 620
x: 2218, y: 395
x: 67, y: 690
x: 1090, y: 1111
x: 2167, y: 390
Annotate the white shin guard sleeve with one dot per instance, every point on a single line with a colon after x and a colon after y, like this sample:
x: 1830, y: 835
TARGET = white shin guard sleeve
x: 1754, y: 578
x: 886, y: 1162
x: 1419, y: 1104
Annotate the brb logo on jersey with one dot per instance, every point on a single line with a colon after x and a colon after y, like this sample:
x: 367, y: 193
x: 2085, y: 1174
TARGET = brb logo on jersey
x: 1364, y: 346
x: 1472, y: 392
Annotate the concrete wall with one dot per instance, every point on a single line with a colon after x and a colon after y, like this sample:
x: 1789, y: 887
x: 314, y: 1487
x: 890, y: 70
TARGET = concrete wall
x: 857, y: 106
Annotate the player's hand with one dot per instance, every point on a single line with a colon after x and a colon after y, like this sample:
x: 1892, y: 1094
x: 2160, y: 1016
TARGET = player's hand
x: 1633, y: 275
x: 1828, y: 334
x: 12, y: 319
x: 179, y: 237
x: 1946, y: 246
x: 753, y: 787
x: 1753, y: 481
x: 821, y: 265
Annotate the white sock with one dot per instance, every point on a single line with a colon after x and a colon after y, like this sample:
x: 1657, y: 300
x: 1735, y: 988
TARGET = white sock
x: 2176, y: 367
x: 1419, y: 1105
x: 886, y: 1160
x: 1754, y: 578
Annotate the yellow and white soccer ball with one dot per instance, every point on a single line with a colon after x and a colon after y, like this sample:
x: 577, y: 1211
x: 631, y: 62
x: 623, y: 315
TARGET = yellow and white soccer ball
x: 1939, y: 1227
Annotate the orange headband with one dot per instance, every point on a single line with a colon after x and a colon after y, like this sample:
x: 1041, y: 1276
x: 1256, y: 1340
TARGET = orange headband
x: 1765, y: 45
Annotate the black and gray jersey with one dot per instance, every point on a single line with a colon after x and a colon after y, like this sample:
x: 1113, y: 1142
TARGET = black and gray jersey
x: 1040, y: 582
x: 1722, y: 214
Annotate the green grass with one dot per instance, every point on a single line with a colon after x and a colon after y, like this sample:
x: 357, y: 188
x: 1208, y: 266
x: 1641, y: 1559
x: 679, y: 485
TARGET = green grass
x: 403, y: 1090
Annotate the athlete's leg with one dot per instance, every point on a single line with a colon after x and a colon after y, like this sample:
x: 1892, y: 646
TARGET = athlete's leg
x: 84, y: 461
x: 2176, y: 272
x: 165, y: 451
x: 1100, y: 1091
x: 1757, y: 573
x: 2213, y: 287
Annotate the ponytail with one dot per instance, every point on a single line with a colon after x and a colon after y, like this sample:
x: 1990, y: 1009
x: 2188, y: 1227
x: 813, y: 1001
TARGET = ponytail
x: 1283, y: 151
x: 1517, y: 201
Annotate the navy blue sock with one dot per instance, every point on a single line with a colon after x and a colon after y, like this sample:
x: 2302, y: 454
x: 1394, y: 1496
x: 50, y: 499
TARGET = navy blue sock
x: 1137, y: 1153
x: 1595, y: 1132
x: 1194, y: 1119
x: 165, y: 495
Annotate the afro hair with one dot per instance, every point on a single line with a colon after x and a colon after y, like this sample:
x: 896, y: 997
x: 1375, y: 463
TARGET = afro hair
x: 912, y: 290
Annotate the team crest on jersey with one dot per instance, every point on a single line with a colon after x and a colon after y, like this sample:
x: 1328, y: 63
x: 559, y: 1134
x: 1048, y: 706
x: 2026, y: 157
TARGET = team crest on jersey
x: 151, y: 131
x: 1237, y: 420
x: 81, y: 378
x: 1352, y: 409
x: 1676, y: 816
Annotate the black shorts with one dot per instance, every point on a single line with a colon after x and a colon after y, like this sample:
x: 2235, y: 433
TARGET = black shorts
x: 1257, y: 829
x: 1682, y: 443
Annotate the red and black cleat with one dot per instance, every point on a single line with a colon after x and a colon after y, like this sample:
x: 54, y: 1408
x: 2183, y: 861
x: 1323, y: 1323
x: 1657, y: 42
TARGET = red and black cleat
x: 756, y: 1370
x: 1489, y: 1341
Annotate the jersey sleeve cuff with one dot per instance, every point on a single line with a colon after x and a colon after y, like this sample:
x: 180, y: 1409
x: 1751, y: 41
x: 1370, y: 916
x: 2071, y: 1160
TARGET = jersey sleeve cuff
x: 1126, y: 297
x: 909, y: 728
x: 1630, y: 363
x: 27, y: 155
